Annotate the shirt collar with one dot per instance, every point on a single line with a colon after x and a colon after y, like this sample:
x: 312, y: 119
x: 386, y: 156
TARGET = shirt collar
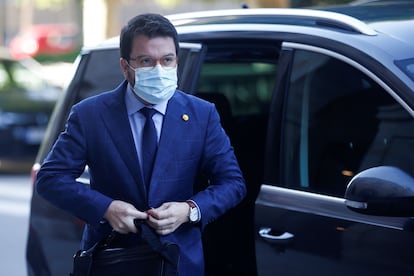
x: 133, y: 104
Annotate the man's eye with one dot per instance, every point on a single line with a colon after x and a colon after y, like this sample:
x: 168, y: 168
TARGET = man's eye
x: 146, y: 61
x: 168, y: 60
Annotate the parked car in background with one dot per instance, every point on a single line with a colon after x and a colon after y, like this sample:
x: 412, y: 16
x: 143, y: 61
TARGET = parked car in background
x: 319, y: 105
x: 47, y: 42
x: 27, y: 99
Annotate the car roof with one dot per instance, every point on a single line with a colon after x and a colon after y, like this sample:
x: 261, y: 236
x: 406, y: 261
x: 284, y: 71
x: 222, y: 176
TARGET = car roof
x: 272, y: 16
x: 393, y: 18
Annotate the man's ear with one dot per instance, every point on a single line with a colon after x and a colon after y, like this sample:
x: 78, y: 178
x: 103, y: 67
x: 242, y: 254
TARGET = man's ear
x: 124, y: 67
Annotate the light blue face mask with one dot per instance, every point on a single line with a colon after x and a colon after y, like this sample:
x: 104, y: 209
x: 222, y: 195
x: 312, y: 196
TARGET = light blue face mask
x: 155, y: 85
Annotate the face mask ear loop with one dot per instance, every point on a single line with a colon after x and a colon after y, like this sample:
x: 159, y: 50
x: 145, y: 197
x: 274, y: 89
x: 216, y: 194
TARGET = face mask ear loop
x: 129, y: 65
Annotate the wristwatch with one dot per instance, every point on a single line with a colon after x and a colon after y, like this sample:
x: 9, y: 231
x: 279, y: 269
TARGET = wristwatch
x: 193, y: 214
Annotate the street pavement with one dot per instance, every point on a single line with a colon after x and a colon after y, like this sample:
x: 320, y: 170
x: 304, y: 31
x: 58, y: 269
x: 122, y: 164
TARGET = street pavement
x: 15, y: 192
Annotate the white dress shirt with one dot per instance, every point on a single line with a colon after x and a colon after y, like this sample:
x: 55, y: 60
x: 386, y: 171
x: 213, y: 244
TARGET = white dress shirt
x: 137, y: 119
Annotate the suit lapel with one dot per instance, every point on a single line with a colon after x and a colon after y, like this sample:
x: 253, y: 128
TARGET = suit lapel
x: 168, y: 140
x: 115, y: 118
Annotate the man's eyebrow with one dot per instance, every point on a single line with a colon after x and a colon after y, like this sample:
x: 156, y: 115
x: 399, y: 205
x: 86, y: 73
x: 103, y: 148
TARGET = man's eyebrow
x: 141, y: 56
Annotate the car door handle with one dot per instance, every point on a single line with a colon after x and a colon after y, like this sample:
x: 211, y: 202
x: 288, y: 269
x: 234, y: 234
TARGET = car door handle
x: 275, y: 237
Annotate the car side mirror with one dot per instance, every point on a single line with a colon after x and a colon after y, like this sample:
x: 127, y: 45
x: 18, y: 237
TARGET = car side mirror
x: 381, y: 191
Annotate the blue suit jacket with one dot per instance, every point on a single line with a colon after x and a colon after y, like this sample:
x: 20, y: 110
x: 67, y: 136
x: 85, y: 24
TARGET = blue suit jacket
x: 98, y: 134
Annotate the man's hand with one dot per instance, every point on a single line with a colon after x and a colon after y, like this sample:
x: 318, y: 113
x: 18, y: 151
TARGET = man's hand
x: 168, y: 217
x: 121, y: 215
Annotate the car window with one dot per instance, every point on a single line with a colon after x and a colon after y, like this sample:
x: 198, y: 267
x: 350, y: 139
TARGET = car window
x: 239, y: 79
x: 189, y: 60
x: 338, y: 123
x: 97, y: 76
x: 247, y: 85
x: 243, y: 74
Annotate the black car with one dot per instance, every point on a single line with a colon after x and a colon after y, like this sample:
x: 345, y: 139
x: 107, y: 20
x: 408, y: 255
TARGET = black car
x: 319, y: 105
x: 27, y: 99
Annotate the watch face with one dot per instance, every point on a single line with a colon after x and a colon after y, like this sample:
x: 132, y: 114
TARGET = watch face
x: 193, y: 215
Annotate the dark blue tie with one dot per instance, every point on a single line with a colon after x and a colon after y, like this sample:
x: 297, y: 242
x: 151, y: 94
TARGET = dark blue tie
x: 149, y: 144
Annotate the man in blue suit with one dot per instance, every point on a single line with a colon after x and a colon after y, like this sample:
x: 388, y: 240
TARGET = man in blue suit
x: 106, y: 133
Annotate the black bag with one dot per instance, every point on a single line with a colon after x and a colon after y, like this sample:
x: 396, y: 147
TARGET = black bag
x: 151, y: 259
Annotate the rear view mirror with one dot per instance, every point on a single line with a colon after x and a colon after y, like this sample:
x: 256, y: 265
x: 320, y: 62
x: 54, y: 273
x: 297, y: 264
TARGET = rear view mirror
x: 381, y: 191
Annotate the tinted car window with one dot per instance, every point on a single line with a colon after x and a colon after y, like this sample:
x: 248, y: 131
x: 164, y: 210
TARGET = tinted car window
x: 240, y: 80
x: 338, y: 123
x: 247, y: 86
x: 189, y: 60
x: 102, y: 73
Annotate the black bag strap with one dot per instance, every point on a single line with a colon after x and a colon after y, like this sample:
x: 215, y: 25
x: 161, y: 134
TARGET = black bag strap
x: 170, y: 251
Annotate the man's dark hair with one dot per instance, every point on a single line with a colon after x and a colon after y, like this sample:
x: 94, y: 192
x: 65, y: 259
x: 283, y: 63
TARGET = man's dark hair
x: 149, y: 24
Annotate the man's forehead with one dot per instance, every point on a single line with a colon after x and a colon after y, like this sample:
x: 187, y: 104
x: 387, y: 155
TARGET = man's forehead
x: 159, y: 43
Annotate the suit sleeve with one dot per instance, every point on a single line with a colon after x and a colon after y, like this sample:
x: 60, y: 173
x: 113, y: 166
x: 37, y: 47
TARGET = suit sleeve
x: 226, y: 183
x: 57, y: 179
